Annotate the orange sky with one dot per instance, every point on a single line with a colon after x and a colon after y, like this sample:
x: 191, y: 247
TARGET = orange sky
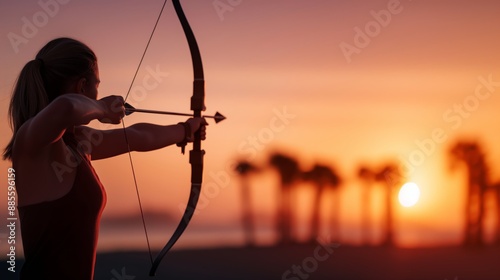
x: 267, y: 56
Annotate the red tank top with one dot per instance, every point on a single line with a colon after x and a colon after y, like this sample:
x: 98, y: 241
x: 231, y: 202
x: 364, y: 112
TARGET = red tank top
x: 60, y: 236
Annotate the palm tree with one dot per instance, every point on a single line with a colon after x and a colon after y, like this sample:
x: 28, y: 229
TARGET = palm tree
x: 391, y: 176
x: 470, y: 154
x: 322, y: 177
x: 368, y: 177
x: 288, y: 170
x: 245, y: 170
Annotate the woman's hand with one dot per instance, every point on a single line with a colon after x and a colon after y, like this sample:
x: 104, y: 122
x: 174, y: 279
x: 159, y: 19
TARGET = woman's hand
x: 197, y: 124
x: 113, y: 109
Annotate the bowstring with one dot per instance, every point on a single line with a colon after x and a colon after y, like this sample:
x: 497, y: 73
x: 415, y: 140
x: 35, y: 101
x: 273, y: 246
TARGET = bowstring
x: 126, y: 137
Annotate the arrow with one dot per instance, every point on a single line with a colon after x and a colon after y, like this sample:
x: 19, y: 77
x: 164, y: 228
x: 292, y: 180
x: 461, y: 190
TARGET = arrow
x: 129, y: 109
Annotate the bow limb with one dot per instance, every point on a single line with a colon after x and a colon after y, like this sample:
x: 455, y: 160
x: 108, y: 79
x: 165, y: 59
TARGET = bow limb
x: 196, y: 154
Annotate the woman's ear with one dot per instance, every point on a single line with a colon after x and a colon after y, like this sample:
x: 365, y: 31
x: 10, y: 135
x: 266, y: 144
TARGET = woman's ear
x: 80, y: 85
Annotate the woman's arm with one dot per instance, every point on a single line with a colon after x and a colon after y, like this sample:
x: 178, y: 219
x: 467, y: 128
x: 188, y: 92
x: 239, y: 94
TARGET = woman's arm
x: 67, y: 111
x: 141, y: 137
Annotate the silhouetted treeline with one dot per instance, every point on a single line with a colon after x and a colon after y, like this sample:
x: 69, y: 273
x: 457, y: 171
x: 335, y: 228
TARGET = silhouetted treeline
x: 326, y: 182
x: 322, y: 177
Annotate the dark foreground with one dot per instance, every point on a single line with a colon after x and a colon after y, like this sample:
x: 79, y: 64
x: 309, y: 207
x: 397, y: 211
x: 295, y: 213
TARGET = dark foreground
x: 305, y: 262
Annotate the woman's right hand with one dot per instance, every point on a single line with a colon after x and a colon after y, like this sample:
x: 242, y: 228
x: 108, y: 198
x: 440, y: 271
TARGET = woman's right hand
x: 113, y: 109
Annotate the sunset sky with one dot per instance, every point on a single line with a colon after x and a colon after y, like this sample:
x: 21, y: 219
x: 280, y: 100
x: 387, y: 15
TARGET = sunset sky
x: 339, y: 82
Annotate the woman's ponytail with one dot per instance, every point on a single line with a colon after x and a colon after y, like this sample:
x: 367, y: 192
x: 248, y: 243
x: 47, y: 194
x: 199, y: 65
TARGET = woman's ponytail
x: 29, y: 98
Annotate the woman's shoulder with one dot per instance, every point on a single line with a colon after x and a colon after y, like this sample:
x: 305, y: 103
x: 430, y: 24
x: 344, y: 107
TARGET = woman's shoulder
x: 21, y: 137
x: 26, y: 145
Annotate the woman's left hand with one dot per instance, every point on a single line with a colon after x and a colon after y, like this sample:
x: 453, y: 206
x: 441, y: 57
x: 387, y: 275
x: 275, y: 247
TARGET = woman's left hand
x: 197, y: 124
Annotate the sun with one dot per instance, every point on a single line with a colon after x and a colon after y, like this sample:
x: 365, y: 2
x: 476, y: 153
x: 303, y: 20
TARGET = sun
x: 409, y: 194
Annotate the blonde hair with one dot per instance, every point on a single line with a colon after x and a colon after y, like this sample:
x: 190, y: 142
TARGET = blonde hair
x: 60, y: 62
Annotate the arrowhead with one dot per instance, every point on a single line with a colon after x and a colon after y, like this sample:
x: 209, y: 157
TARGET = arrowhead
x: 129, y: 109
x: 219, y: 117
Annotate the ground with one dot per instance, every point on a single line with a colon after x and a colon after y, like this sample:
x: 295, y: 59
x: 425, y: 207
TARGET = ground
x: 299, y: 262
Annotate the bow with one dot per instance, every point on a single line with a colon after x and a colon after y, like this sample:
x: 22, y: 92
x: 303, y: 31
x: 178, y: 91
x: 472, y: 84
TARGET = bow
x: 196, y: 154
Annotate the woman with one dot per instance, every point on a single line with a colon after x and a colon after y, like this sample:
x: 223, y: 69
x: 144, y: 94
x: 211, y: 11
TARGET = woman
x: 60, y: 197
